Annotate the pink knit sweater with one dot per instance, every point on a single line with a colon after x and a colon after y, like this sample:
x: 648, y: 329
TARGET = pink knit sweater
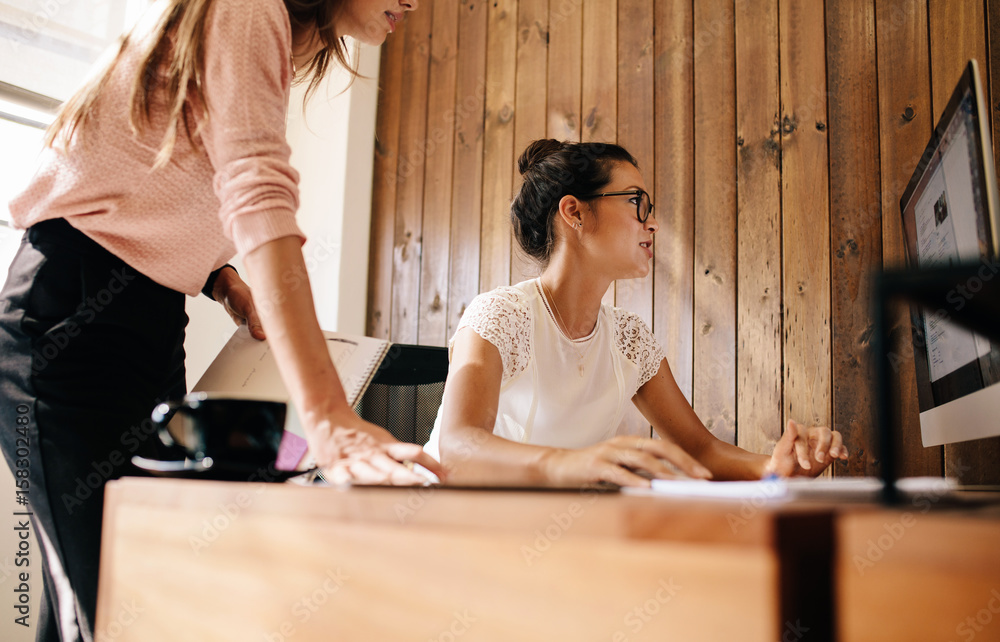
x: 235, y: 193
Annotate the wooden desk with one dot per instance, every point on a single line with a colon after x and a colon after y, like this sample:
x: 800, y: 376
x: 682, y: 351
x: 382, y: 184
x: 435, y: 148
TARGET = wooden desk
x: 189, y: 560
x: 919, y: 575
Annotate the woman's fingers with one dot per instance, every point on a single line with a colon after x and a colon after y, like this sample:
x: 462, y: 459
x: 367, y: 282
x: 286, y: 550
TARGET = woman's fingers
x: 402, y: 451
x: 622, y: 455
x: 363, y: 453
x: 633, y: 459
x: 337, y: 472
x: 806, y: 449
x: 253, y: 323
x: 669, y: 451
x: 377, y: 468
x: 393, y: 472
x: 615, y: 474
x: 837, y: 448
x: 801, y: 448
x: 237, y: 299
x: 824, y: 438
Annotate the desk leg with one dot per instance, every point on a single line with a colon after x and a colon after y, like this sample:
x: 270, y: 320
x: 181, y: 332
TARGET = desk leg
x: 805, y: 545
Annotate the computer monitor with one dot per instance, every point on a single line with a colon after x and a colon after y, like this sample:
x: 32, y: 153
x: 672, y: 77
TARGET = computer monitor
x: 950, y: 217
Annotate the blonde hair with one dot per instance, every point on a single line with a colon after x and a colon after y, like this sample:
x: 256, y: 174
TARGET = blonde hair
x: 176, y: 44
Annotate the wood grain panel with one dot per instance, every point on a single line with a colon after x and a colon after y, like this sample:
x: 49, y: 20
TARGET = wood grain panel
x: 714, y: 391
x: 599, y: 72
x: 673, y: 262
x: 886, y: 560
x: 855, y: 215
x: 439, y: 156
x: 565, y: 69
x: 530, y: 100
x: 599, y: 86
x: 904, y: 128
x: 758, y: 139
x: 467, y: 182
x: 635, y: 123
x: 993, y: 91
x: 958, y: 33
x: 805, y: 213
x: 319, y: 564
x: 408, y: 231
x: 384, y: 187
x: 498, y: 144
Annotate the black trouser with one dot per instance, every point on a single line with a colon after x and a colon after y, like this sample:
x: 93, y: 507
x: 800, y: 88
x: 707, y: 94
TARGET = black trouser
x: 88, y: 346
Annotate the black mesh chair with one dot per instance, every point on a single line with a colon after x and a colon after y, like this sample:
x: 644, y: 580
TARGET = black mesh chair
x: 405, y: 393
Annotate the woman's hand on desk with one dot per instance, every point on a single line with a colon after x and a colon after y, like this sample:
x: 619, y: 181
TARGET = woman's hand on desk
x: 805, y: 452
x: 235, y: 296
x: 351, y: 450
x: 615, y: 460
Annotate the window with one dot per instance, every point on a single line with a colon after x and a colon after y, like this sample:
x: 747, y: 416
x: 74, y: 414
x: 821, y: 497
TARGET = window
x: 47, y: 47
x: 22, y: 126
x: 50, y: 45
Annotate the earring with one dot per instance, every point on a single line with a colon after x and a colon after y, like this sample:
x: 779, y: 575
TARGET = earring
x: 579, y: 225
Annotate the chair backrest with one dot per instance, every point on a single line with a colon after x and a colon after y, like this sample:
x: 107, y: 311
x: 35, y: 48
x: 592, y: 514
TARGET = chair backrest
x: 405, y: 394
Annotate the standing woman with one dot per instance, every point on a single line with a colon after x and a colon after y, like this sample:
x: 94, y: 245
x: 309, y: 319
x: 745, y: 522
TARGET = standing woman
x: 164, y: 166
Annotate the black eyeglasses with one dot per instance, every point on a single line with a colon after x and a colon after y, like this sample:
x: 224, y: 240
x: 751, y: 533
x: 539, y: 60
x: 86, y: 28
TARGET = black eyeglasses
x: 643, y: 205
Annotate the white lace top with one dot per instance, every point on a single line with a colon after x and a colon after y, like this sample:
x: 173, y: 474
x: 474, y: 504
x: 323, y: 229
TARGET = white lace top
x: 556, y: 391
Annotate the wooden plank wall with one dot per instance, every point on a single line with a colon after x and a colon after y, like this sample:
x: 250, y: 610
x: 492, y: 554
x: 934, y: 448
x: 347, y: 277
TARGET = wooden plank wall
x: 776, y: 137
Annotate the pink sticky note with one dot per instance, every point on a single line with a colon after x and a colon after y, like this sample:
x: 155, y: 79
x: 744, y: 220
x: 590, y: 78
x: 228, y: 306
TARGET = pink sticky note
x: 291, y: 451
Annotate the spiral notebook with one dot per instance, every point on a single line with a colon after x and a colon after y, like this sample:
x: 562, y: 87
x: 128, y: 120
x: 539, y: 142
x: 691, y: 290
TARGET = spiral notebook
x: 245, y: 367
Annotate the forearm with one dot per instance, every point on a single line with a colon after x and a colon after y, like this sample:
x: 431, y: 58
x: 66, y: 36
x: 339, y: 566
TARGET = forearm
x: 473, y: 455
x: 731, y: 463
x: 284, y: 301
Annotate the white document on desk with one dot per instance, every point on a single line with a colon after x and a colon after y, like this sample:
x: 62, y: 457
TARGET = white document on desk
x: 799, y: 488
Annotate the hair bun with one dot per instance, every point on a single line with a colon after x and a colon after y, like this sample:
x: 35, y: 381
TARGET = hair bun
x: 536, y: 152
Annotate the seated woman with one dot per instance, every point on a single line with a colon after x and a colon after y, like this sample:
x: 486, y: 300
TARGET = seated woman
x: 541, y: 372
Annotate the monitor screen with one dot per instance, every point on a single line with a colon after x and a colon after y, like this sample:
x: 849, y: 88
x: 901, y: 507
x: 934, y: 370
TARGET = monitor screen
x: 949, y: 217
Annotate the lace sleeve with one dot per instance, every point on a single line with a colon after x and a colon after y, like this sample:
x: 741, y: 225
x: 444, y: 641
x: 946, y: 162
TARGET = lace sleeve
x: 636, y: 342
x: 501, y: 317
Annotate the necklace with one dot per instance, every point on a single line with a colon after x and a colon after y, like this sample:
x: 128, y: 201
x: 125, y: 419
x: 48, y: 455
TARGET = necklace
x: 581, y: 355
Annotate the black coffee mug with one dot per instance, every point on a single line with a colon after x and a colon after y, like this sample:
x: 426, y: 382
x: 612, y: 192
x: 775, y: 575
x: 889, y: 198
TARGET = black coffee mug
x: 231, y: 437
